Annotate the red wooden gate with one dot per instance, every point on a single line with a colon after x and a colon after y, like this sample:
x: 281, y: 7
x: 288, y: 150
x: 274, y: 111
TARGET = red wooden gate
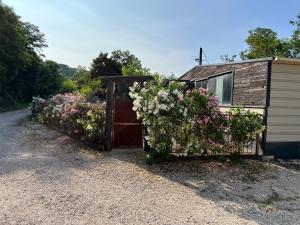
x: 122, y: 129
x: 127, y: 130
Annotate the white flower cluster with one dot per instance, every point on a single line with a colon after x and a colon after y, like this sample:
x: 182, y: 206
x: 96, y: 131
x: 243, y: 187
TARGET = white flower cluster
x: 156, y: 103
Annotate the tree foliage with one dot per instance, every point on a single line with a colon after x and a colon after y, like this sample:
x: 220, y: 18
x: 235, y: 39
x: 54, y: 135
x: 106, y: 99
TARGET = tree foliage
x: 120, y: 63
x: 104, y: 65
x: 125, y: 58
x: 228, y: 58
x: 66, y: 71
x: 295, y: 39
x: 23, y: 73
x: 264, y: 42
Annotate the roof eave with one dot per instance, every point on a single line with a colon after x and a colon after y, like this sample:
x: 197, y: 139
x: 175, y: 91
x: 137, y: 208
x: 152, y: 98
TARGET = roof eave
x: 282, y: 60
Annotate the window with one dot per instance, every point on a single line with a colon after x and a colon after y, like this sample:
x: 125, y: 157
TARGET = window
x: 201, y: 84
x: 219, y: 85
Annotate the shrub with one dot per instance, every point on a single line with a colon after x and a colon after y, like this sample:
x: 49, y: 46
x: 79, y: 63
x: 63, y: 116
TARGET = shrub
x: 190, y: 121
x: 160, y: 110
x: 92, y: 89
x: 37, y: 105
x: 92, y: 122
x: 73, y: 114
x: 244, y: 126
x: 207, y: 122
x: 69, y: 86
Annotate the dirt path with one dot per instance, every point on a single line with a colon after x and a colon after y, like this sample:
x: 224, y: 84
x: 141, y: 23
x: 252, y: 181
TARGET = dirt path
x: 47, y: 178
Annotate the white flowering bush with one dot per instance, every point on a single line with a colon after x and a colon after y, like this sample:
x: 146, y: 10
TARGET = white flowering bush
x: 159, y: 108
x: 74, y: 114
x: 185, y: 121
x: 37, y: 104
x: 177, y: 120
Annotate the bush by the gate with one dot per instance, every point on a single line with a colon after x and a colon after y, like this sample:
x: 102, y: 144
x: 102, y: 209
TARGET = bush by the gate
x: 73, y: 114
x: 190, y: 121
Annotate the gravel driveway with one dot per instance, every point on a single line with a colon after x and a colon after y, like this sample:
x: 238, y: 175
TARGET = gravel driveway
x: 47, y: 178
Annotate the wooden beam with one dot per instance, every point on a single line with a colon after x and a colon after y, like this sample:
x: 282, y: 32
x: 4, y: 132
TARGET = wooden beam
x: 109, y: 116
x: 127, y: 78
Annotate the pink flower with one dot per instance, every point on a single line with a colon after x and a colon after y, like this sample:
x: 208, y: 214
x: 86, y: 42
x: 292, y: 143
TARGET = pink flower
x: 180, y: 98
x: 213, y: 98
x: 202, y: 91
x: 205, y: 120
x: 73, y: 110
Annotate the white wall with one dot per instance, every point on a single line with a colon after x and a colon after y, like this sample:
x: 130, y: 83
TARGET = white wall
x: 284, y: 111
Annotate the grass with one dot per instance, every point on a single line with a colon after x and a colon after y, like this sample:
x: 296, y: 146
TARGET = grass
x: 13, y: 107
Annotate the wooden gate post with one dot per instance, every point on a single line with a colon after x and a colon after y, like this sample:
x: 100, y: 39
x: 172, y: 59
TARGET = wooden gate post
x: 109, y: 119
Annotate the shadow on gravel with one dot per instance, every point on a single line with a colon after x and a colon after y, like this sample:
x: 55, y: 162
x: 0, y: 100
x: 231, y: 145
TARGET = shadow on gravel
x: 34, y: 150
x: 251, y: 189
x: 267, y: 193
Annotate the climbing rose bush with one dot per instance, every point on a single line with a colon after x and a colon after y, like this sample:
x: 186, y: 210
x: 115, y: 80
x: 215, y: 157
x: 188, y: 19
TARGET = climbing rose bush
x: 188, y: 121
x: 73, y: 114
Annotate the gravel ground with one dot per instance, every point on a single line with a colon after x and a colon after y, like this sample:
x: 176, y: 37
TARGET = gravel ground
x: 48, y: 178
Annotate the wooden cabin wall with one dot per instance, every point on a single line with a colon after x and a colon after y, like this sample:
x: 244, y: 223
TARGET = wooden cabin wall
x: 249, y: 80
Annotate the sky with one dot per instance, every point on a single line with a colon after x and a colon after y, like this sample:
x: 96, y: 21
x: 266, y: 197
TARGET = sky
x: 164, y: 34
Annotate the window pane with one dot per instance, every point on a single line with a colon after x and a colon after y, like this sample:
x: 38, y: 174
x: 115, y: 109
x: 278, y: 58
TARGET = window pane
x: 211, y: 85
x: 201, y: 84
x: 219, y: 89
x: 227, y: 89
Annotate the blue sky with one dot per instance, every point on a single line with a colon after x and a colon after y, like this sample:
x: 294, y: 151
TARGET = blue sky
x: 164, y: 34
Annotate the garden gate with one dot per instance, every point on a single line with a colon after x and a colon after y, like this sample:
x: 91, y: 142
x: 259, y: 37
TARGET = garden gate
x: 122, y: 129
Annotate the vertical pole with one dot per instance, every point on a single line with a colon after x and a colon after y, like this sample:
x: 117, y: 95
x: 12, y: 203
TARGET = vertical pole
x: 257, y: 145
x: 109, y: 116
x: 200, y: 56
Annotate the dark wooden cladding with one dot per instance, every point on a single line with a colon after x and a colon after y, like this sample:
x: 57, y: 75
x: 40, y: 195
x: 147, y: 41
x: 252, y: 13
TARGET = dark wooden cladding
x: 117, y: 88
x: 109, y: 119
x: 249, y: 80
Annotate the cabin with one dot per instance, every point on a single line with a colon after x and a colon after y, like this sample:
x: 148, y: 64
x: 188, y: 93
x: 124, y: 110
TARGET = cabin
x: 270, y: 86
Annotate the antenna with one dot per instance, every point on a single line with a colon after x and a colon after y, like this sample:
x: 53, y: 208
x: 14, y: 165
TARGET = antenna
x: 200, y: 60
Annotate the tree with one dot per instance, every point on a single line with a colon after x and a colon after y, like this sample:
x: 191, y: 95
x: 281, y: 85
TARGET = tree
x: 23, y: 73
x: 120, y: 63
x: 125, y: 58
x: 134, y: 70
x: 295, y: 39
x: 66, y: 70
x: 227, y: 58
x: 49, y: 80
x: 264, y: 42
x: 82, y: 76
x: 68, y: 86
x: 105, y: 66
